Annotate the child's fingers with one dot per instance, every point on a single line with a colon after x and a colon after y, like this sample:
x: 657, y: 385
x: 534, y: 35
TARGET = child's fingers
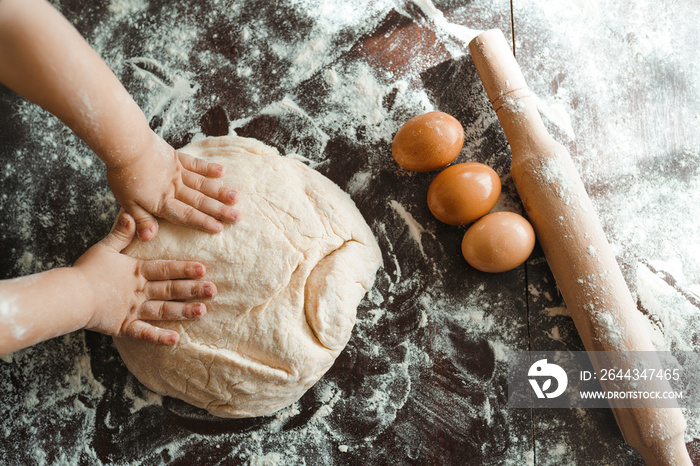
x: 122, y: 233
x: 146, y: 224
x: 167, y: 290
x: 209, y: 187
x: 208, y: 205
x: 201, y: 166
x: 144, y: 331
x: 171, y: 310
x: 183, y: 214
x: 171, y: 270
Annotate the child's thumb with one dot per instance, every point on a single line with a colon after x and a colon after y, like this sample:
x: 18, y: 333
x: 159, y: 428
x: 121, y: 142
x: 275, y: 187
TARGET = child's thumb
x: 146, y: 224
x: 122, y: 233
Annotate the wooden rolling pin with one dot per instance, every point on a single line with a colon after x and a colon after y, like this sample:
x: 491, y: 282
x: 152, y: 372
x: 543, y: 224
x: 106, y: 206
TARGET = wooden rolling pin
x: 574, y: 244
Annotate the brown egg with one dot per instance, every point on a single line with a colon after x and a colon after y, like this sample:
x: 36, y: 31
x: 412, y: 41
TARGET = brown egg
x: 428, y: 142
x: 498, y: 242
x: 463, y: 193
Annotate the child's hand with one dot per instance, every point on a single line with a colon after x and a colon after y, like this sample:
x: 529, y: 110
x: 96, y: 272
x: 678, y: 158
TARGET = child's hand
x: 126, y: 292
x: 174, y: 186
x: 46, y: 60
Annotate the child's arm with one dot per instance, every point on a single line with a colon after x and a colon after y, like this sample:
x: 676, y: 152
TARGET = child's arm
x: 105, y: 291
x: 43, y: 58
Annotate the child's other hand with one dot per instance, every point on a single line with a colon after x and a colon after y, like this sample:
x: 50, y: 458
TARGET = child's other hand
x: 127, y: 293
x: 174, y: 186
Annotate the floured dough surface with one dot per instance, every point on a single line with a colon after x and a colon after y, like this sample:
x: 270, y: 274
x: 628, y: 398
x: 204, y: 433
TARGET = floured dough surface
x: 290, y: 274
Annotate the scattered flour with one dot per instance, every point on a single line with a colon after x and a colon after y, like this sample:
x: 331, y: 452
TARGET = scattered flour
x: 557, y: 113
x: 415, y: 229
x: 557, y: 311
x: 552, y: 172
x: 122, y: 9
x: 554, y: 334
x: 672, y: 310
x: 161, y: 76
x: 141, y: 400
x: 8, y: 312
x: 269, y: 459
x: 513, y: 105
x: 359, y: 181
x: 458, y: 31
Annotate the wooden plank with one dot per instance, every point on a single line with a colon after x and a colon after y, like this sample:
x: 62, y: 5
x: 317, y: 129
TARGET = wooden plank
x: 620, y: 86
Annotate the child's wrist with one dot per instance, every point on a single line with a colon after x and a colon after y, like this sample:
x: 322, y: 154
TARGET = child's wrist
x: 86, y: 296
x: 142, y: 145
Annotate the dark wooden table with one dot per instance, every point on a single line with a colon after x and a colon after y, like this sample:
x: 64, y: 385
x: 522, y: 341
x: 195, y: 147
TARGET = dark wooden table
x: 423, y: 380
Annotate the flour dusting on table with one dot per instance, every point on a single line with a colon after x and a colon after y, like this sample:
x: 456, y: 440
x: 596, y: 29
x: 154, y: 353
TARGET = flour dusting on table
x: 305, y: 83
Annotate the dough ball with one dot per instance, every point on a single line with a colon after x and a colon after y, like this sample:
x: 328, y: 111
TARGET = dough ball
x: 290, y: 275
